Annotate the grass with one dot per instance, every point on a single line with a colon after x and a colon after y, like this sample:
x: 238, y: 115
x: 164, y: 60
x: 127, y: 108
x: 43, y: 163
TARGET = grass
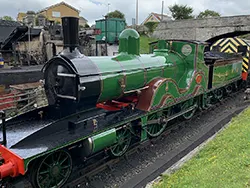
x: 144, y: 46
x: 223, y: 163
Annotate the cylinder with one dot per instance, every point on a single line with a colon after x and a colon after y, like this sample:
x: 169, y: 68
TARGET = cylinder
x: 98, y: 142
x: 70, y: 32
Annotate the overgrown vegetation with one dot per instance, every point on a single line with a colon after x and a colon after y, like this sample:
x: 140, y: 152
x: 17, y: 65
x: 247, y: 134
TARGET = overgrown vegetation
x: 224, y: 162
x: 144, y: 44
x: 151, y: 26
x: 8, y: 18
x: 116, y: 14
x: 208, y: 14
x: 180, y: 12
x: 247, y: 36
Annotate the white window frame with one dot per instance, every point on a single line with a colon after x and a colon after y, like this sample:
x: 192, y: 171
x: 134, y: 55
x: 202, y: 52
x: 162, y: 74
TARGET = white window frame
x: 56, y: 14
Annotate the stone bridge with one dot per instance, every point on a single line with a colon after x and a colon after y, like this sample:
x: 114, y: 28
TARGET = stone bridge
x: 209, y: 29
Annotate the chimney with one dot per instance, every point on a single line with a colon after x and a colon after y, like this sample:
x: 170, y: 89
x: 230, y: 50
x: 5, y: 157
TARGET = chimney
x: 70, y: 27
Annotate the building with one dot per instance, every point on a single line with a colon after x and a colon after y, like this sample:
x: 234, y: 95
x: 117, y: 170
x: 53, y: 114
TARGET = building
x: 154, y: 17
x: 21, y: 16
x: 82, y: 21
x: 59, y: 10
x: 52, y: 13
x: 6, y: 27
x: 30, y: 18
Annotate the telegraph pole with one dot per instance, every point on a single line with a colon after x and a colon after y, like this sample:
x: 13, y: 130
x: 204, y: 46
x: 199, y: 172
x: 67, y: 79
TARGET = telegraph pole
x: 136, y: 12
x: 106, y: 34
x: 108, y: 7
x: 162, y: 9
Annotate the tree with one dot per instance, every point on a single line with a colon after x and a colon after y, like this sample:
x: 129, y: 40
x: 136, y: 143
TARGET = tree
x: 8, y: 18
x: 151, y: 26
x: 181, y: 12
x: 30, y: 12
x: 208, y: 13
x: 116, y: 14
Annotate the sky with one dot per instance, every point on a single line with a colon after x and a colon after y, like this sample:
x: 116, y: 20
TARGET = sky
x: 96, y: 9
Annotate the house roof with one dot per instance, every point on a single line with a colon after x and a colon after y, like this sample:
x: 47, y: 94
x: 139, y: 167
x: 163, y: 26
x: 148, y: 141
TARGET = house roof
x: 157, y: 16
x: 7, y: 23
x: 82, y: 18
x: 22, y: 14
x: 58, y: 4
x: 6, y: 27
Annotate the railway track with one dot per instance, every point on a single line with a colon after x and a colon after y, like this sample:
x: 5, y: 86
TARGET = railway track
x: 144, y: 162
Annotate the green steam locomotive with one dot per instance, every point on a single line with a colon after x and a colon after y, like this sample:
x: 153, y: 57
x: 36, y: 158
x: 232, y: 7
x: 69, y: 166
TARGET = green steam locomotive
x: 102, y: 105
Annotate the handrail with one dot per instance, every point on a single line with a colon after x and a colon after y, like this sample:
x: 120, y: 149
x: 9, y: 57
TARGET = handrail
x: 14, y: 95
x: 19, y: 100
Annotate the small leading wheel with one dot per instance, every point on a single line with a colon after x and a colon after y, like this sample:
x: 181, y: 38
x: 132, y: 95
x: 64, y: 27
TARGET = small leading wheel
x: 53, y: 171
x: 229, y: 89
x: 218, y: 94
x: 189, y: 114
x: 123, y: 142
x: 155, y: 127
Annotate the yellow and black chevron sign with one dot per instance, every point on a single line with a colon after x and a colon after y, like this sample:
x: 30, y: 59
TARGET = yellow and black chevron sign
x: 231, y: 45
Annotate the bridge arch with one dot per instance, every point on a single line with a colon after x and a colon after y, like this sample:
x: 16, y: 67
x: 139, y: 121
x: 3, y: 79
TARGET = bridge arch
x: 203, y: 29
x: 227, y: 35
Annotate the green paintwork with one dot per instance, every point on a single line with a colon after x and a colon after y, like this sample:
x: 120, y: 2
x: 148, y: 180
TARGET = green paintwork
x: 123, y: 141
x: 103, y: 140
x: 129, y: 42
x: 155, y: 129
x: 225, y: 73
x: 119, y: 73
x: 177, y: 63
x: 181, y: 78
x: 144, y: 124
x: 57, y: 166
x: 127, y: 68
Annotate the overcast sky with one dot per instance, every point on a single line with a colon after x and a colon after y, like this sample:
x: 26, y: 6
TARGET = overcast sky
x: 95, y: 9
